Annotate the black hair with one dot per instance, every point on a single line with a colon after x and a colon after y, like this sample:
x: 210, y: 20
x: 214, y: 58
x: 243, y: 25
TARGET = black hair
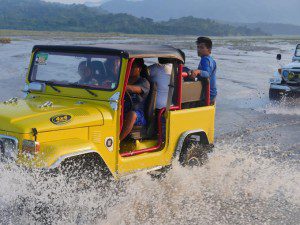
x: 139, y: 62
x: 205, y: 40
x: 165, y: 60
x: 83, y: 64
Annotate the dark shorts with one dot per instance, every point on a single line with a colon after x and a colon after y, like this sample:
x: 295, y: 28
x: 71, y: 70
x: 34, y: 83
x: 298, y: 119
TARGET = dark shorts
x: 140, y: 120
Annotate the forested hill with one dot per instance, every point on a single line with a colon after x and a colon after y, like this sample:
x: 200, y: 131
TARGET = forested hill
x: 44, y: 16
x: 241, y: 11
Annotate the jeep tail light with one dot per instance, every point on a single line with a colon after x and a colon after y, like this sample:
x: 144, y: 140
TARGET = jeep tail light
x: 31, y: 147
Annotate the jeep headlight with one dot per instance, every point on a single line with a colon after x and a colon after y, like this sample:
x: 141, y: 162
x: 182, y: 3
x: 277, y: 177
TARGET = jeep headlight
x: 8, y: 147
x: 31, y: 147
x: 285, y: 74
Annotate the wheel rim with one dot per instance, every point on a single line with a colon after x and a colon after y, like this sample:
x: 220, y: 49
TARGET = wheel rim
x: 192, y: 162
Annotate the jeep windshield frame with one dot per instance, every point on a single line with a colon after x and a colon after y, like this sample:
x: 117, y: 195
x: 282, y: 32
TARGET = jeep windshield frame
x: 37, y: 61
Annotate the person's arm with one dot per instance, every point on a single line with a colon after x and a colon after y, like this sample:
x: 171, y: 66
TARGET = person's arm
x: 205, y: 71
x: 134, y: 89
x: 206, y: 68
x: 142, y: 87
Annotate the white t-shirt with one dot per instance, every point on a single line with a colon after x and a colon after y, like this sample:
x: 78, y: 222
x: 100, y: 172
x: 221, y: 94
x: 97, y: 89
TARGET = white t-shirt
x: 161, y: 74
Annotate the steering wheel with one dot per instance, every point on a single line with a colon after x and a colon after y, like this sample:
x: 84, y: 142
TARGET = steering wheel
x: 128, y: 103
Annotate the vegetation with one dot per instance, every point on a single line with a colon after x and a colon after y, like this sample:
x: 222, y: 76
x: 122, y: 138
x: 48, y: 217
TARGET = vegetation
x: 276, y: 28
x: 196, y: 26
x: 44, y: 16
x: 5, y: 40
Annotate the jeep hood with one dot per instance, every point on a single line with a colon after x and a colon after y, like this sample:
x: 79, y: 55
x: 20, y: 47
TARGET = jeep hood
x: 24, y: 115
x: 292, y: 65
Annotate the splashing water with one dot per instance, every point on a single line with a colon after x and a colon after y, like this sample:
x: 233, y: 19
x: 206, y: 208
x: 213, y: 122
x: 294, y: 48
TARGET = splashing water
x: 239, y: 185
x: 285, y: 107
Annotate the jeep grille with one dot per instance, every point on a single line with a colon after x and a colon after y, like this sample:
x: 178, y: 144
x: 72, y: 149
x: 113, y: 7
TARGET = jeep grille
x: 8, y: 147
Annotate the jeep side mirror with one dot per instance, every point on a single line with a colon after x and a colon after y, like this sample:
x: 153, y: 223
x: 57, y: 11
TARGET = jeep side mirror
x: 278, y: 57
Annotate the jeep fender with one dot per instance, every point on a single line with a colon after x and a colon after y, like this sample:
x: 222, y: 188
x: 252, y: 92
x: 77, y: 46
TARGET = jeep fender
x: 199, y: 135
x: 276, y: 78
x: 53, y: 153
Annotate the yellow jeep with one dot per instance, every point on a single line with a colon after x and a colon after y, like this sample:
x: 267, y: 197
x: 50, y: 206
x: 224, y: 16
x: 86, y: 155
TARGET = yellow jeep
x: 64, y: 116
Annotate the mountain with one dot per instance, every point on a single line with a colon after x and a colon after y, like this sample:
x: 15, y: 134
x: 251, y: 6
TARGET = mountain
x: 195, y: 26
x: 45, y: 16
x: 242, y: 11
x: 275, y: 28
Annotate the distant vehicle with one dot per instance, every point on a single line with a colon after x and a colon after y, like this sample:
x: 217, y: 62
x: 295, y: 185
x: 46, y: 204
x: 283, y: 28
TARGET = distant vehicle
x: 63, y: 120
x: 286, y: 80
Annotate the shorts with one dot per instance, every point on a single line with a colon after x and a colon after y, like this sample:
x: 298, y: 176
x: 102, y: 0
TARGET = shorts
x: 140, y: 120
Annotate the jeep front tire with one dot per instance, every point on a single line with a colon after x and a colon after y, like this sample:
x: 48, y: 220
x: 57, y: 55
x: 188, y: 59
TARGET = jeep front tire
x: 275, y: 95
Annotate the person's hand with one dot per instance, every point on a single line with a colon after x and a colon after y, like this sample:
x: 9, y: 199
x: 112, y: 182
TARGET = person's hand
x: 195, y: 73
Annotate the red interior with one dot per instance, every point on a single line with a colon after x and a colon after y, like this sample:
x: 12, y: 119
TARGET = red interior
x: 128, y: 70
x: 159, y: 141
x: 207, y: 99
x: 161, y: 112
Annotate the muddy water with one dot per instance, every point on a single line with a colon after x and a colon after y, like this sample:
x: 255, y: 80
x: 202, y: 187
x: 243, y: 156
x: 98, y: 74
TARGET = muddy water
x: 253, y: 176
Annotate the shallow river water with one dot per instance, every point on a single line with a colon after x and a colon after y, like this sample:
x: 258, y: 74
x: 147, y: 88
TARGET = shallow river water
x: 252, y: 177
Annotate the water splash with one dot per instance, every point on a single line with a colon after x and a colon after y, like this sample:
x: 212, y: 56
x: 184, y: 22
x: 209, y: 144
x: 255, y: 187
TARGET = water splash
x: 239, y: 185
x: 287, y: 106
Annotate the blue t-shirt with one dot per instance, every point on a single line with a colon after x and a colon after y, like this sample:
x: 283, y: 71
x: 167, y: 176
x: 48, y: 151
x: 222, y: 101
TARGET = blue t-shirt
x: 208, y: 69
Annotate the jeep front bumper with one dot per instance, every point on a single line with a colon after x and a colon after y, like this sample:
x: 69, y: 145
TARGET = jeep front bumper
x: 285, y: 88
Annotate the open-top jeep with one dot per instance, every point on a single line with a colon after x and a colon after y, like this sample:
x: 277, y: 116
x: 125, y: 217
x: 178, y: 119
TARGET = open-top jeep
x: 63, y: 118
x: 286, y: 80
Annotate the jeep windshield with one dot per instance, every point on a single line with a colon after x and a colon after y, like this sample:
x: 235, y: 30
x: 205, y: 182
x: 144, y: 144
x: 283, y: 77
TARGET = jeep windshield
x: 76, y: 70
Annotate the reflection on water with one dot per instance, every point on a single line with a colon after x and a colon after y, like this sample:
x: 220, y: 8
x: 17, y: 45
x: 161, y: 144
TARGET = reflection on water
x: 239, y: 185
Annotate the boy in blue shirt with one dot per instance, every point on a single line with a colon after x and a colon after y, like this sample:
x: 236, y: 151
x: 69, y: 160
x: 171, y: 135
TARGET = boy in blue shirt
x: 207, y: 67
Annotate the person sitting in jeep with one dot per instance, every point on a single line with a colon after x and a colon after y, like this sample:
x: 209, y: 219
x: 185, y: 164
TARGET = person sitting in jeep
x: 86, y: 74
x: 112, y: 66
x: 138, y: 88
x: 160, y: 73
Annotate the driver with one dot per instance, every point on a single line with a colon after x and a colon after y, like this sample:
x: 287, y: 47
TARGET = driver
x: 138, y: 87
x: 112, y: 66
x: 85, y: 72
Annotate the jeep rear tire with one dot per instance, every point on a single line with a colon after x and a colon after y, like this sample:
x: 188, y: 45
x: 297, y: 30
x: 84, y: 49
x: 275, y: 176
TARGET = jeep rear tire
x: 193, y: 154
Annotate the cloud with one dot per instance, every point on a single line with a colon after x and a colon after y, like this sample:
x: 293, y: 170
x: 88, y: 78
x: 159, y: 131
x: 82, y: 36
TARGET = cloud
x: 73, y: 1
x: 82, y: 1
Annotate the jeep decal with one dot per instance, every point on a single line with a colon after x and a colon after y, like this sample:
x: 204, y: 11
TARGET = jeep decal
x: 60, y: 119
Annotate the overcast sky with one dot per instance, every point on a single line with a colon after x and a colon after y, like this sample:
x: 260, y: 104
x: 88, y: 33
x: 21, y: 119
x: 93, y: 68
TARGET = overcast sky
x: 80, y: 1
x: 73, y: 1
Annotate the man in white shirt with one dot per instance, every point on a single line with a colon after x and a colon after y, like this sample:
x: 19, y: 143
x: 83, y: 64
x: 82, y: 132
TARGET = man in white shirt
x: 161, y: 73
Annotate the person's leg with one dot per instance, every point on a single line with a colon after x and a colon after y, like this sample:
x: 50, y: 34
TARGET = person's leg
x: 129, y: 122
